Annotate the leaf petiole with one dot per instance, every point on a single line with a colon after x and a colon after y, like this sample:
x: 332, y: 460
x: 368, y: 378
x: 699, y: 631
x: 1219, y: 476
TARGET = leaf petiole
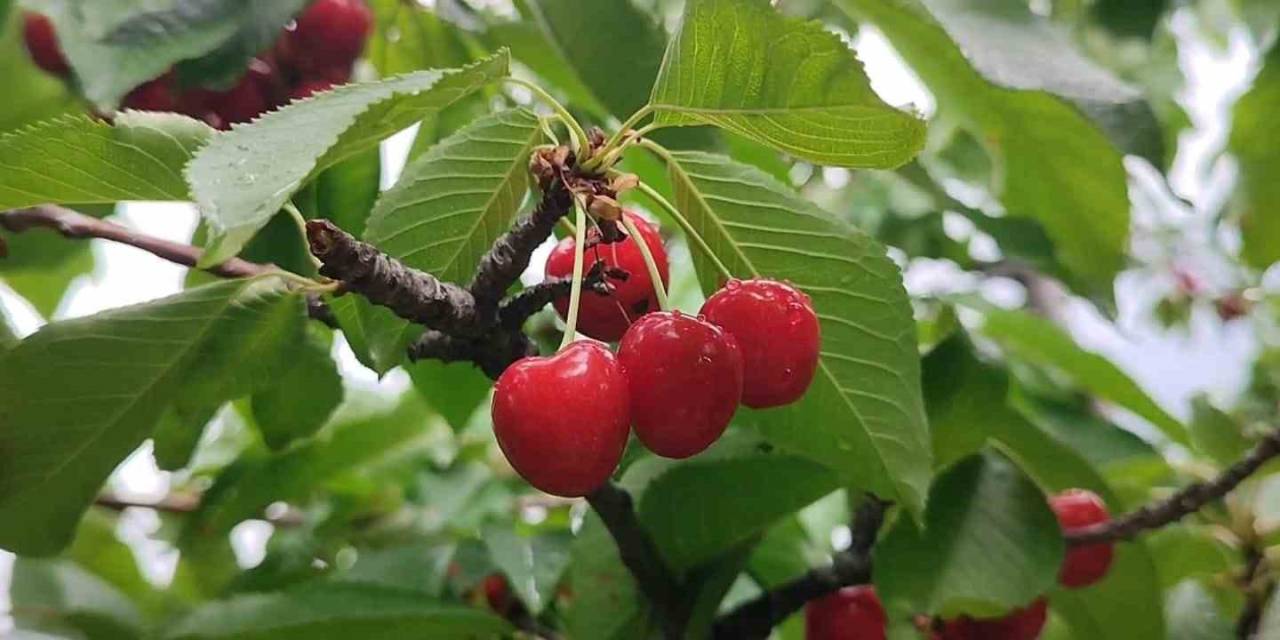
x: 576, y: 133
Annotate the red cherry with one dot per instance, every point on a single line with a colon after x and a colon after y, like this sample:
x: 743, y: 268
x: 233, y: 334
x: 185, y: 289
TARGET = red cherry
x: 308, y: 88
x: 42, y: 44
x: 778, y: 332
x: 852, y: 613
x: 607, y: 317
x: 684, y: 376
x: 1022, y: 624
x: 328, y: 34
x: 496, y: 592
x: 562, y: 421
x: 1077, y: 509
x: 153, y: 95
x: 252, y: 95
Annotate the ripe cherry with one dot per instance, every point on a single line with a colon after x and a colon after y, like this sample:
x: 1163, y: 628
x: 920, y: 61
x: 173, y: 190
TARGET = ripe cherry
x: 778, y: 332
x: 251, y: 96
x: 607, y: 317
x: 308, y: 88
x: 153, y: 95
x: 328, y: 34
x: 562, y: 421
x: 496, y: 592
x: 42, y: 44
x: 852, y: 613
x: 1022, y: 624
x: 685, y: 380
x: 1085, y: 565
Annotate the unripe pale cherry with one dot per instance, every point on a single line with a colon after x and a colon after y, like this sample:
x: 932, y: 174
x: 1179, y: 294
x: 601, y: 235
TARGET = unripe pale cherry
x: 562, y: 421
x: 328, y: 34
x: 777, y: 330
x: 852, y: 613
x: 1022, y: 624
x: 607, y: 317
x: 42, y: 44
x: 684, y: 377
x: 1084, y: 565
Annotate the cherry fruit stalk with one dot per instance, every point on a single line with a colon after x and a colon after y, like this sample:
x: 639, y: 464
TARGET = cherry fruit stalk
x: 852, y: 613
x: 562, y: 421
x: 685, y: 380
x: 778, y: 331
x: 607, y: 317
x: 1085, y: 565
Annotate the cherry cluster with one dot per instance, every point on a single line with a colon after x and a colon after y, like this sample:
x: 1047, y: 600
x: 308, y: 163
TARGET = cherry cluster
x: 563, y: 420
x: 856, y: 613
x: 314, y: 53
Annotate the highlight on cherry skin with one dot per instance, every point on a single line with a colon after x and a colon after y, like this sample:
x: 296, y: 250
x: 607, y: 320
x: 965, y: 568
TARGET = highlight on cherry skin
x: 607, y: 317
x: 562, y: 420
x: 778, y: 332
x: 1085, y: 565
x: 852, y: 613
x: 684, y: 376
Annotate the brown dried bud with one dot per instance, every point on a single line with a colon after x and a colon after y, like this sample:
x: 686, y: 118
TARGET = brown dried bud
x: 624, y: 182
x: 604, y: 208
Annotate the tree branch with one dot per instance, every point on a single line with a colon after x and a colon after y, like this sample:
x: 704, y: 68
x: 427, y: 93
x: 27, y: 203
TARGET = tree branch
x: 76, y: 225
x: 756, y: 619
x: 1186, y: 501
x: 518, y: 308
x: 509, y: 256
x: 413, y: 295
x: 642, y: 558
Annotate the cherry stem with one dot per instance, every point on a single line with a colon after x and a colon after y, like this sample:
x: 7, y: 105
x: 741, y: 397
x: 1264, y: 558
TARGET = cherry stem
x: 576, y: 132
x: 301, y: 222
x: 616, y: 141
x: 659, y: 289
x: 575, y: 291
x: 689, y: 231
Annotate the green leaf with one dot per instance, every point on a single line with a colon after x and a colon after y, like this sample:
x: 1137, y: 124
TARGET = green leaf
x: 58, y: 595
x: 531, y: 46
x: 448, y: 207
x: 243, y: 176
x: 1270, y: 625
x: 416, y: 566
x: 786, y: 552
x: 990, y: 543
x: 533, y: 564
x: 1254, y: 128
x: 613, y: 49
x: 335, y: 612
x: 178, y: 432
x: 408, y: 37
x: 116, y: 45
x: 348, y: 443
x: 78, y: 159
x: 377, y: 336
x: 863, y: 416
x: 965, y: 399
x: 1216, y: 434
x: 85, y: 393
x: 1053, y: 163
x: 30, y: 93
x: 454, y: 390
x: 1042, y: 343
x: 299, y: 401
x: 258, y: 27
x: 42, y: 264
x: 8, y: 338
x: 607, y: 603
x: 455, y: 200
x: 737, y: 498
x: 742, y: 66
x: 346, y: 192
